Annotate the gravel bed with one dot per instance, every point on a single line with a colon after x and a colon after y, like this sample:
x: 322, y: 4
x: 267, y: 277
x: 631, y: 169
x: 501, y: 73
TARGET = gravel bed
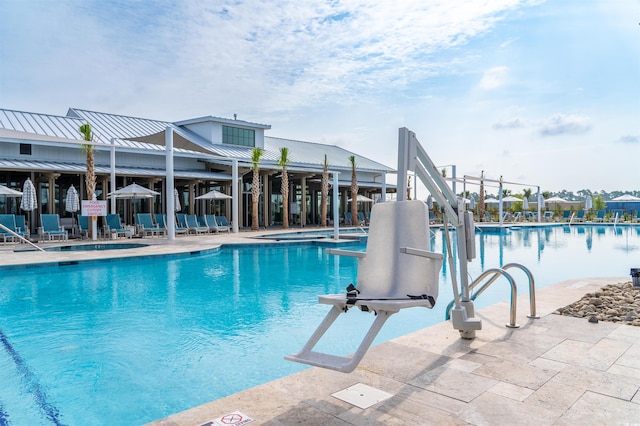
x: 612, y: 303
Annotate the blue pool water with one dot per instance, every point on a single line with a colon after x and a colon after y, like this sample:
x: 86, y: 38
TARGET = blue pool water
x: 133, y: 341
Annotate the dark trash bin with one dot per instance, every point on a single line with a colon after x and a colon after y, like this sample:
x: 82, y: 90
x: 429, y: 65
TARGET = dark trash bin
x: 635, y: 276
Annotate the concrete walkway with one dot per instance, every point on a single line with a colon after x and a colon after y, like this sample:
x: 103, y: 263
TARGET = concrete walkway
x: 551, y: 371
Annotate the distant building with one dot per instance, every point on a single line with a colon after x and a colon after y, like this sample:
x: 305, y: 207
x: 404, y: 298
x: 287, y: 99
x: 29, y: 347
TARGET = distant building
x: 47, y: 149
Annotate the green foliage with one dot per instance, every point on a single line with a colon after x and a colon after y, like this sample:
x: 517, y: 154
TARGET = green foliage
x: 599, y: 203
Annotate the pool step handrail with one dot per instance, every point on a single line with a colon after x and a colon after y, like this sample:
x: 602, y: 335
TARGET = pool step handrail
x: 493, y: 274
x: 20, y: 237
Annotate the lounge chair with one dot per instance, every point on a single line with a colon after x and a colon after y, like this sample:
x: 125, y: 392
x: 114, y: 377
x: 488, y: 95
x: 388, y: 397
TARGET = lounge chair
x: 362, y: 221
x: 579, y: 216
x: 548, y: 216
x: 222, y: 221
x: 637, y: 217
x: 51, y: 228
x: 566, y: 215
x: 181, y: 220
x: 213, y: 224
x: 145, y: 225
x: 347, y: 218
x: 517, y: 217
x: 599, y: 216
x: 162, y: 223
x: 21, y: 226
x: 9, y: 222
x: 397, y: 271
x: 83, y: 226
x: 114, y: 226
x: 193, y: 226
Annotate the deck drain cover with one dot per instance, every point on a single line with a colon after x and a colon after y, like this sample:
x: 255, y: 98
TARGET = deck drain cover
x: 362, y: 396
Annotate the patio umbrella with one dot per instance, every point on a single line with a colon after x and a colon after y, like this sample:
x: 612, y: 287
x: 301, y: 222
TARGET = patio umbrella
x: 555, y: 200
x: 214, y: 195
x: 72, y: 202
x: 525, y: 204
x: 362, y: 199
x: 133, y: 191
x: 29, y: 200
x: 8, y: 192
x: 511, y: 199
x: 588, y: 203
x: 176, y: 200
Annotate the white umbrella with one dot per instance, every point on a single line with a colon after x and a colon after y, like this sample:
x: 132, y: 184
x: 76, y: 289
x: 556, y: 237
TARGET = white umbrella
x: 588, y: 203
x: 133, y: 191
x: 491, y: 201
x: 214, y: 195
x: 362, y: 199
x: 511, y: 199
x: 176, y: 200
x: 556, y: 200
x: 29, y: 200
x: 8, y: 192
x: 525, y: 204
x: 472, y: 204
x: 72, y: 202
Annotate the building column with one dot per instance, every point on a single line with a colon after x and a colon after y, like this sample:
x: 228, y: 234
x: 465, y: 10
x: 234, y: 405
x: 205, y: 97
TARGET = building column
x: 303, y: 202
x: 265, y: 200
x: 192, y: 197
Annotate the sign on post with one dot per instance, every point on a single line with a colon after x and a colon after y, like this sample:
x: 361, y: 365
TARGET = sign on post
x: 94, y: 208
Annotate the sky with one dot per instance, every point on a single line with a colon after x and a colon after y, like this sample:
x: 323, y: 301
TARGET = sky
x: 543, y: 93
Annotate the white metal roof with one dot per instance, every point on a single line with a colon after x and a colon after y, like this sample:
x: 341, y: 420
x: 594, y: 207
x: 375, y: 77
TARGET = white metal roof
x: 122, y: 129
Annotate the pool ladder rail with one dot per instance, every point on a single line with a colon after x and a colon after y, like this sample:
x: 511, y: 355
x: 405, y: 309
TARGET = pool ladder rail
x: 493, y: 274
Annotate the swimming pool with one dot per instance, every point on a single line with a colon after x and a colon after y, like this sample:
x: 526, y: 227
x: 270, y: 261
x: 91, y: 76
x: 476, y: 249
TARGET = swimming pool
x: 133, y: 341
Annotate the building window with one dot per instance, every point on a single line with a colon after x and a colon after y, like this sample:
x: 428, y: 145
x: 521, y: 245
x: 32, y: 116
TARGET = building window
x: 238, y: 136
x: 25, y: 149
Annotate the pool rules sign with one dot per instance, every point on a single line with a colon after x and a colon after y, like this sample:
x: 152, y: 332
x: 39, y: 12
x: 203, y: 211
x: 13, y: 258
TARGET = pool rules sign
x: 232, y: 419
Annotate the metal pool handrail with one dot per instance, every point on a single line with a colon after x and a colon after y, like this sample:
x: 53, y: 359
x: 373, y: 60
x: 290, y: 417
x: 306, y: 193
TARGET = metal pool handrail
x: 494, y: 274
x: 19, y: 236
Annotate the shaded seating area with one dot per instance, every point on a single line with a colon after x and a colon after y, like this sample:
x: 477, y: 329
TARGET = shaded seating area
x: 51, y: 228
x: 397, y: 271
x: 114, y: 226
x: 146, y: 226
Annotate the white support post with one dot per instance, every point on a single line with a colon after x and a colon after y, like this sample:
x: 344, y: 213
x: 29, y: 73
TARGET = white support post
x: 113, y: 174
x: 336, y: 214
x: 500, y: 201
x: 236, y: 196
x: 539, y: 206
x: 171, y: 208
x: 384, y: 187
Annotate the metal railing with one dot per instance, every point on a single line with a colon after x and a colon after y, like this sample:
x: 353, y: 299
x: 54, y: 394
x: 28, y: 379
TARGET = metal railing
x: 493, y: 274
x: 20, y: 237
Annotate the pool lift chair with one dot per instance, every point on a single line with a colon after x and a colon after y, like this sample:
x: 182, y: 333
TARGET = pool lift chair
x: 397, y: 270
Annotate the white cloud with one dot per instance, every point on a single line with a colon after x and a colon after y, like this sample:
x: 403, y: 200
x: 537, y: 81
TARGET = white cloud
x: 511, y: 123
x: 494, y: 78
x: 560, y: 124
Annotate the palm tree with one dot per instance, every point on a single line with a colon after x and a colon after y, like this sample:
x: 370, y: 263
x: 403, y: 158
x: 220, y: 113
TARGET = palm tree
x: 284, y: 185
x: 90, y: 175
x: 325, y: 191
x: 481, y: 205
x: 256, y: 153
x: 354, y: 191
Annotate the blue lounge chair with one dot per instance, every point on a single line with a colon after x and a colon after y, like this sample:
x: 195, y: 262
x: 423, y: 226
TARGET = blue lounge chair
x: 181, y: 220
x: 397, y: 271
x: 83, y: 226
x: 599, y: 216
x: 145, y: 224
x: 193, y: 226
x: 51, y: 228
x: 222, y: 221
x: 566, y: 215
x: 213, y: 224
x: 362, y: 221
x: 348, y: 220
x: 579, y: 216
x: 548, y: 216
x: 9, y: 222
x: 162, y: 223
x: 114, y: 226
x: 21, y: 225
x: 637, y: 218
